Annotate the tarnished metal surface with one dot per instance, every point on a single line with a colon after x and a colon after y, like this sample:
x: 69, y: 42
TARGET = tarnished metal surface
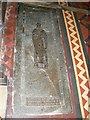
x: 39, y: 38
x: 42, y: 88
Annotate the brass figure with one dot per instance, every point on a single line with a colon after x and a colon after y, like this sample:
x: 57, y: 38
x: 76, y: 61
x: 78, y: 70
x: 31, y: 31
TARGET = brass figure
x: 39, y: 38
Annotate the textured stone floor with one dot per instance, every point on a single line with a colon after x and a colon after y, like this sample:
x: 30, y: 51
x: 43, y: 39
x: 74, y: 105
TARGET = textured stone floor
x: 39, y: 90
x: 3, y: 89
x: 3, y: 100
x: 26, y: 103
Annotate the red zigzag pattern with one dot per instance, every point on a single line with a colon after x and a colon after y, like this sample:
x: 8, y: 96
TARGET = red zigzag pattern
x: 82, y: 77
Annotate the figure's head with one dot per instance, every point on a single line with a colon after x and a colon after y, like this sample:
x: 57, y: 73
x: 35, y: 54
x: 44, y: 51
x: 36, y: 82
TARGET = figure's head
x: 38, y: 25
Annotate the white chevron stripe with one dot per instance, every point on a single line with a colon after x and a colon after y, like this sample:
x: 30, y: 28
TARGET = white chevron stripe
x: 70, y: 20
x: 68, y: 13
x: 80, y: 62
x: 71, y: 29
x: 76, y: 50
x: 70, y: 23
x: 84, y: 95
x: 76, y: 46
x: 86, y: 106
x: 87, y: 78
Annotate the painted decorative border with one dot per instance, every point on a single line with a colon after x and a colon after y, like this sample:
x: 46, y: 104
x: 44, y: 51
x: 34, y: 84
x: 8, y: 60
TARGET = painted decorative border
x: 8, y: 45
x: 8, y: 38
x: 79, y: 63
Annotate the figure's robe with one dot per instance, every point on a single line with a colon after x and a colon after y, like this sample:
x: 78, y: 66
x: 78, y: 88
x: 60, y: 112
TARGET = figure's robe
x: 40, y: 46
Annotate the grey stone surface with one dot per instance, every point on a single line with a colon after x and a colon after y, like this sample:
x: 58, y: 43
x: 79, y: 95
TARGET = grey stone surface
x: 39, y: 91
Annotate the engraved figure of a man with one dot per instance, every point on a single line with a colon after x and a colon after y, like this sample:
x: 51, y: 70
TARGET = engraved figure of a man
x: 39, y: 38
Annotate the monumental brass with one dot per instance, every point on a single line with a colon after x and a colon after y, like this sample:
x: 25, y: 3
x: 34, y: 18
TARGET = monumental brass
x: 40, y: 73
